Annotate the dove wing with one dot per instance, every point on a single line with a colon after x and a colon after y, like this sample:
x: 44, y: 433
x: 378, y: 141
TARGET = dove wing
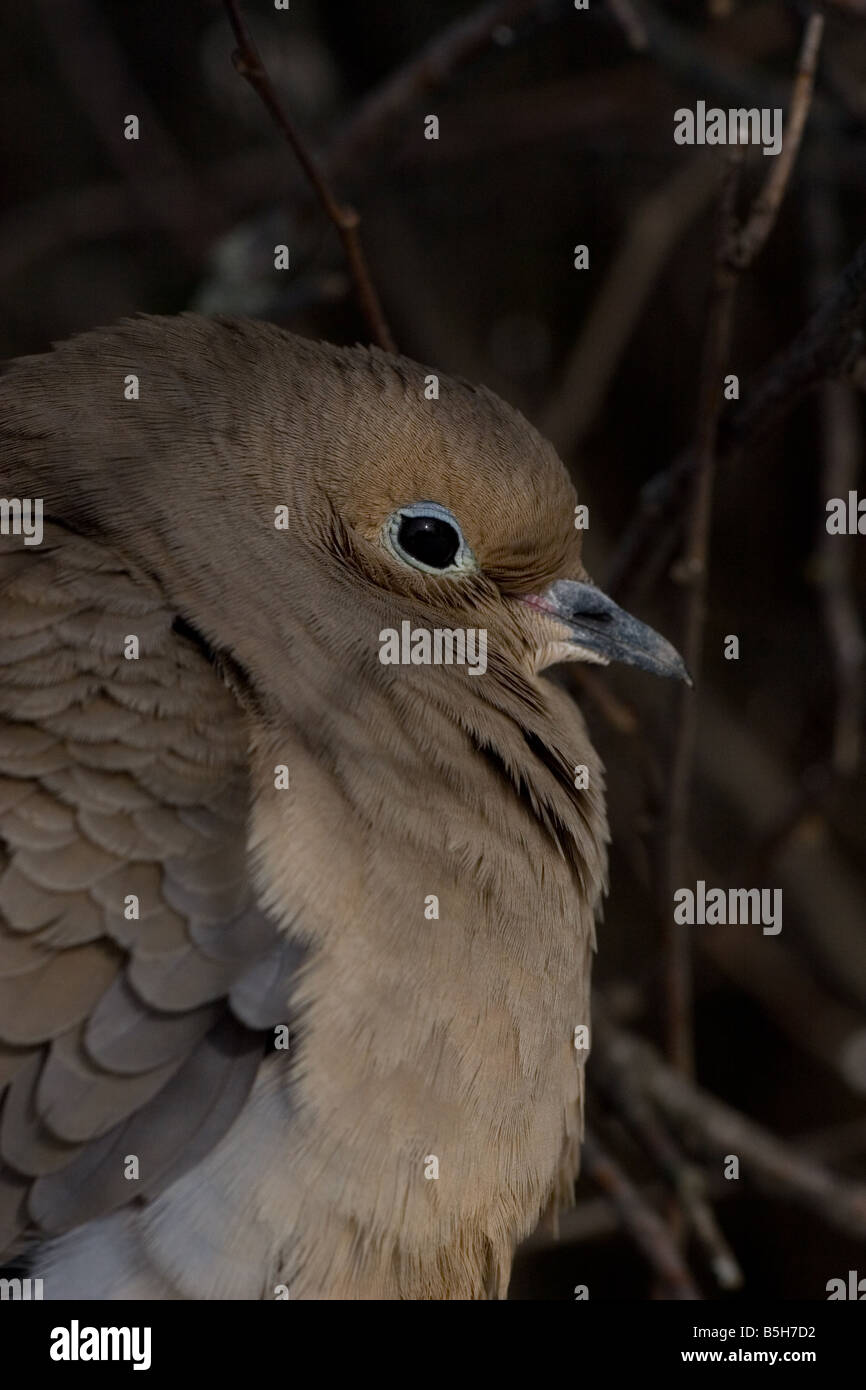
x: 137, y: 972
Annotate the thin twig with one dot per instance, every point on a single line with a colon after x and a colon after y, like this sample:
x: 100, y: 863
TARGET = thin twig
x: 694, y: 63
x: 829, y: 345
x: 826, y: 348
x: 816, y: 877
x: 715, y: 1130
x: 736, y: 249
x: 788, y: 993
x: 750, y: 240
x: 249, y: 64
x: 843, y: 451
x: 596, y: 1219
x: 620, y: 715
x: 659, y: 499
x: 424, y: 72
x: 630, y: 22
x: 644, y: 1225
x: 691, y: 572
x: 630, y: 1104
x: 834, y: 555
x: 658, y: 223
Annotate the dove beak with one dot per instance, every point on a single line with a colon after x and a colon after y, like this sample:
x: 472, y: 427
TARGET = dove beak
x: 600, y: 631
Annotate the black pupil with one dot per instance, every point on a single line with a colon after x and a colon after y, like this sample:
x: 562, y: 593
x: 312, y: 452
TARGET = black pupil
x: 429, y: 539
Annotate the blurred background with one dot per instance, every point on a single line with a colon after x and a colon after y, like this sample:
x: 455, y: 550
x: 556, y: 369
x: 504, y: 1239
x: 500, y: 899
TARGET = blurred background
x: 556, y: 129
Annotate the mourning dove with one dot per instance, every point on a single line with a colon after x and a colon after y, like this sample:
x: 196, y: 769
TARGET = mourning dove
x: 244, y: 804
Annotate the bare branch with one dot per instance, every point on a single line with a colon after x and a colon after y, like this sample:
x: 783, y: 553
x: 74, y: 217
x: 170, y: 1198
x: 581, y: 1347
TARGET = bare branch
x: 630, y: 22
x: 425, y: 71
x: 842, y: 447
x: 827, y: 347
x: 735, y: 251
x: 714, y: 1130
x: 248, y: 63
x: 644, y: 1225
x: 631, y: 1105
x: 617, y: 713
x: 691, y: 572
x: 658, y: 223
x: 750, y: 240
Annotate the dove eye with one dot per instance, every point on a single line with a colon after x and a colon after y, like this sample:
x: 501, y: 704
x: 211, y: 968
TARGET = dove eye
x: 428, y: 536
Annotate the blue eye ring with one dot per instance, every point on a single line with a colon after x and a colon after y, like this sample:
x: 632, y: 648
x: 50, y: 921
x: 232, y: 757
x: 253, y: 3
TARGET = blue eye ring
x: 443, y: 533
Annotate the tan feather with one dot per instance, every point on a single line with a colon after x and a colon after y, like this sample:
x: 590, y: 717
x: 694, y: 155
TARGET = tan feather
x: 78, y: 1101
x: 126, y: 1036
x: 167, y: 1136
x: 58, y: 994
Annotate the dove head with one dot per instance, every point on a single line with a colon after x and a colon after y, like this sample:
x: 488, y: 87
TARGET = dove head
x: 287, y: 492
x: 450, y: 508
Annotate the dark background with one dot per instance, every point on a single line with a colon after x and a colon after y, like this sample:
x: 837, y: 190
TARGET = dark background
x: 556, y: 131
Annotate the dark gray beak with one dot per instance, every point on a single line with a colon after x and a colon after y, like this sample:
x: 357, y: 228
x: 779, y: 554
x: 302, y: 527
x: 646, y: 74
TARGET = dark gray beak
x: 602, y: 627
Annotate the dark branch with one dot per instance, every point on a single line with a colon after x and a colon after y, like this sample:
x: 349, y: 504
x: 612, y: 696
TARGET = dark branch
x: 248, y: 63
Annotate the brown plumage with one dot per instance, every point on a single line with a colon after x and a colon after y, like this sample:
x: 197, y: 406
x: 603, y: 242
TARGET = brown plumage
x: 412, y: 1036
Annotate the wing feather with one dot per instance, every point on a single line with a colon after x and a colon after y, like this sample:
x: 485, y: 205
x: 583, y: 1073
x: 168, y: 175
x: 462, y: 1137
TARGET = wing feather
x: 137, y: 970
